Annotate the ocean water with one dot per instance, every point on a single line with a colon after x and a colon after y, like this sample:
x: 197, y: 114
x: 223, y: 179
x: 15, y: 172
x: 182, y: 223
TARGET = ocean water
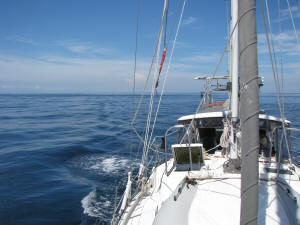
x: 61, y: 156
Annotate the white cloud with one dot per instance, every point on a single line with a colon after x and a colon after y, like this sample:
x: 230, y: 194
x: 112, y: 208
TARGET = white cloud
x: 22, y: 39
x: 285, y: 13
x: 70, y: 74
x: 52, y: 73
x: 139, y: 79
x: 77, y: 48
x: 69, y: 45
x: 284, y: 36
x: 84, y: 47
x: 98, y: 73
x: 287, y: 39
x: 182, y: 44
x: 201, y: 58
x: 190, y: 20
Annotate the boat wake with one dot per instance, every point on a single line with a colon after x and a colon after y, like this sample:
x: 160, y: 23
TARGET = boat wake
x: 96, y: 205
x: 103, y: 172
x: 100, y: 165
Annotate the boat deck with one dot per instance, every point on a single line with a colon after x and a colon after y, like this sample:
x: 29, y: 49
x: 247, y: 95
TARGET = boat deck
x: 210, y: 196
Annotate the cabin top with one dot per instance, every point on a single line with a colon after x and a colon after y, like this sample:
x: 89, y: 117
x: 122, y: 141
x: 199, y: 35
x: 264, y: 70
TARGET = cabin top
x: 224, y: 114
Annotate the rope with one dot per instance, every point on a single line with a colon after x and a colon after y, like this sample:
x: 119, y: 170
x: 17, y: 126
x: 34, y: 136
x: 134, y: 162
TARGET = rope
x: 207, y: 151
x: 224, y: 140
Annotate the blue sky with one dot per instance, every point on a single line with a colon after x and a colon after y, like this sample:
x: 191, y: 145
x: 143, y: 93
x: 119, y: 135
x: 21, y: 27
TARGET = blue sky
x: 88, y: 46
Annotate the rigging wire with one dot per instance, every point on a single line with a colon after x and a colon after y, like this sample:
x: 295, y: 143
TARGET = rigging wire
x: 134, y: 70
x: 147, y: 80
x: 166, y: 25
x: 281, y: 65
x: 228, y: 31
x: 147, y: 140
x: 169, y: 63
x: 166, y: 43
x: 293, y: 22
x: 215, y: 71
x: 145, y: 86
x: 275, y: 80
x: 165, y: 48
x: 272, y: 41
x: 168, y: 67
x: 153, y: 88
x: 280, y: 51
x: 298, y: 6
x: 174, y: 22
x: 274, y: 54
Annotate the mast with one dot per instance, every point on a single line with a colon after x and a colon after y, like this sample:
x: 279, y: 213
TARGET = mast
x: 234, y: 60
x: 249, y: 111
x: 234, y: 55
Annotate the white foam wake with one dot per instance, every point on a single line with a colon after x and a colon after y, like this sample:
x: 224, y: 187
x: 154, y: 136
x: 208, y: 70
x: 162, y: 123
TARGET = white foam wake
x: 95, y: 205
x: 100, y: 164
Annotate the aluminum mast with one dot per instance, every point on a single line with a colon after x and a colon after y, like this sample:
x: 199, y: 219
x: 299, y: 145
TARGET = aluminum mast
x: 234, y: 56
x: 249, y: 111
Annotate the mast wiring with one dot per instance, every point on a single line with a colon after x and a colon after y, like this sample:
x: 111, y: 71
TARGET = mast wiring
x: 276, y: 81
x: 298, y: 6
x: 166, y: 40
x: 293, y: 22
x: 134, y: 70
x: 145, y: 149
x: 152, y: 114
x: 168, y: 67
x: 208, y: 86
x: 280, y: 51
x: 272, y: 42
x: 145, y: 86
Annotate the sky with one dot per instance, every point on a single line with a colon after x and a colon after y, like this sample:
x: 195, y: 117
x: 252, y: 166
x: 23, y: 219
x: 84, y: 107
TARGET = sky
x: 61, y: 46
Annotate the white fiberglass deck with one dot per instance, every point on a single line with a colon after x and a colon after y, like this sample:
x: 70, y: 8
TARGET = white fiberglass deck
x: 214, y: 199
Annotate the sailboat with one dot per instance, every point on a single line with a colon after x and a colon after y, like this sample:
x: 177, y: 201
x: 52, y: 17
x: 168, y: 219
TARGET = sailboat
x: 231, y: 164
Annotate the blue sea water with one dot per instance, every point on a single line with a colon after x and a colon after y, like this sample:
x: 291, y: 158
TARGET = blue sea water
x: 62, y: 155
